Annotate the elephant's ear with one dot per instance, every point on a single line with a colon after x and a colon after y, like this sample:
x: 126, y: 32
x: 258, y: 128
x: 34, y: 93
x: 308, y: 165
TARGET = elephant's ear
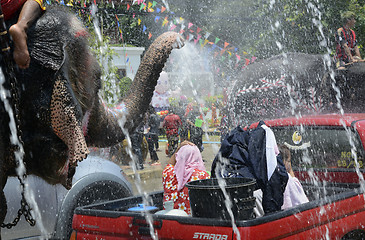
x: 48, y: 37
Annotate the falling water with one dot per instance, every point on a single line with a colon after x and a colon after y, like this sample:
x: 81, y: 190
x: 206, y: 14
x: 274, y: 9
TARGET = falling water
x: 19, y: 156
x: 314, y: 10
x: 188, y: 63
x: 145, y: 197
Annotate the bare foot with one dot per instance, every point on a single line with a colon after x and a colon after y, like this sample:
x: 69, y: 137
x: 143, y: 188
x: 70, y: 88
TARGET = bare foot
x: 21, y: 54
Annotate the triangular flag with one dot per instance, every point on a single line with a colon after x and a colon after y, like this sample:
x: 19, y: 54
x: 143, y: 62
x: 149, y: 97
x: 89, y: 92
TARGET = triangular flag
x: 238, y: 57
x: 205, y: 42
x: 195, y: 41
x: 144, y: 28
x: 149, y: 5
x: 247, y: 61
x: 154, y: 4
x: 172, y: 27
x: 181, y: 31
x: 158, y: 10
x: 225, y: 44
x: 199, y: 36
x: 189, y: 25
x: 191, y: 36
x: 207, y: 35
x: 128, y: 6
x: 253, y: 59
x: 230, y: 55
x: 216, y: 40
x: 149, y: 35
x: 141, y: 7
x: 245, y: 53
x: 198, y: 30
x: 201, y: 41
x: 157, y: 18
x: 163, y: 9
x: 165, y: 21
x: 139, y: 21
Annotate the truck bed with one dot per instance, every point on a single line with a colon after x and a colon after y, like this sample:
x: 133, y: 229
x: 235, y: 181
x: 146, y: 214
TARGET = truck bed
x: 334, y: 209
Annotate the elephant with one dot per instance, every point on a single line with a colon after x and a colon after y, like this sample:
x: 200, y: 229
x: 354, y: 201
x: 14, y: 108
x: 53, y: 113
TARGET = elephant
x: 60, y: 111
x: 293, y: 84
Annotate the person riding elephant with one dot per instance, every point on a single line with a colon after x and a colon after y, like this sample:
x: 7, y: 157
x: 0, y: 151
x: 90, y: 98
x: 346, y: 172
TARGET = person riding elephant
x: 347, y: 50
x: 30, y: 10
x: 60, y: 111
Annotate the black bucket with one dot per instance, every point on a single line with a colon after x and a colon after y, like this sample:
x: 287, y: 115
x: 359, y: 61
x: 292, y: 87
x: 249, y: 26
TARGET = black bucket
x: 207, y: 198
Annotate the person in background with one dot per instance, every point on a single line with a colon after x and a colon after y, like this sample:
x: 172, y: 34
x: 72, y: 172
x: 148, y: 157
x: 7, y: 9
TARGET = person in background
x: 185, y: 165
x: 136, y: 139
x: 195, y: 121
x: 152, y: 135
x: 294, y: 193
x: 347, y: 50
x: 184, y: 128
x: 224, y: 126
x: 171, y: 124
x: 30, y: 10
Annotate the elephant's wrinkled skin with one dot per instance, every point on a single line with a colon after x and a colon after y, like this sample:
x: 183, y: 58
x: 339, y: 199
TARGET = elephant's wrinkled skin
x: 60, y: 55
x: 293, y: 83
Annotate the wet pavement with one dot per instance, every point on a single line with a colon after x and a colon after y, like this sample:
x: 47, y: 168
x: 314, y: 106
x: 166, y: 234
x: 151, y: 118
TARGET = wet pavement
x: 151, y: 176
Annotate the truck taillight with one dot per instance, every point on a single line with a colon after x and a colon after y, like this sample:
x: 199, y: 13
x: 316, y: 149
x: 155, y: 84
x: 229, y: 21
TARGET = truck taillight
x: 73, y: 235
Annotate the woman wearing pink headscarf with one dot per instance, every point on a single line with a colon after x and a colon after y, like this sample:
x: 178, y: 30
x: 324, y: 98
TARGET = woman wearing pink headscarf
x: 186, y: 165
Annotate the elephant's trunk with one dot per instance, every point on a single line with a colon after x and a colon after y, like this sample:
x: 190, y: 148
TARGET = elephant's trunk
x: 104, y: 128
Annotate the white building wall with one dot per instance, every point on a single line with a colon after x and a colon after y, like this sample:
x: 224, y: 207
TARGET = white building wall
x: 121, y: 61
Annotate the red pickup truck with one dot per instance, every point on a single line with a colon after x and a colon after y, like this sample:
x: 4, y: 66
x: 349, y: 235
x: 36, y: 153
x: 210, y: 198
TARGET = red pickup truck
x: 325, y: 152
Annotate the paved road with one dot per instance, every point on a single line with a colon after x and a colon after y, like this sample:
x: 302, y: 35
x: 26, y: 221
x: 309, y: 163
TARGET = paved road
x: 150, y: 178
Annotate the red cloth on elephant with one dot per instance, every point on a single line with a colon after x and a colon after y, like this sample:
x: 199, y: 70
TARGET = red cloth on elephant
x: 11, y: 7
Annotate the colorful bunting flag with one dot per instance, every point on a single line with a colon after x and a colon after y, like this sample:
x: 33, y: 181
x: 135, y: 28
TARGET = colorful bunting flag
x: 149, y: 35
x: 157, y: 18
x: 163, y: 9
x: 172, y: 27
x: 216, y: 40
x: 198, y: 30
x: 165, y: 21
x: 190, y: 25
x: 225, y: 44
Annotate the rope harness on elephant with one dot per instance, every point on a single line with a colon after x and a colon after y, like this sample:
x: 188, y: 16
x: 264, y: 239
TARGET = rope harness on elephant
x: 8, y: 70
